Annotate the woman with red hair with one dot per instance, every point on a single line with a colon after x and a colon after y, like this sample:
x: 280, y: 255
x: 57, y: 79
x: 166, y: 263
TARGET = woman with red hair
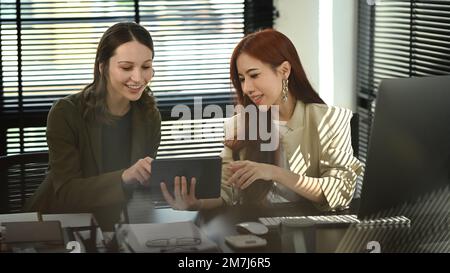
x: 314, y: 159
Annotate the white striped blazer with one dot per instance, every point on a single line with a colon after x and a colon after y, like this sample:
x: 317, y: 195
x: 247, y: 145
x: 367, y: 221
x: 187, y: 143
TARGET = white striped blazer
x: 318, y: 146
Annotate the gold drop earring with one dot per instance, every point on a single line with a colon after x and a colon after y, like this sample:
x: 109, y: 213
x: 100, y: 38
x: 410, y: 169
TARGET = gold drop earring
x: 284, y: 90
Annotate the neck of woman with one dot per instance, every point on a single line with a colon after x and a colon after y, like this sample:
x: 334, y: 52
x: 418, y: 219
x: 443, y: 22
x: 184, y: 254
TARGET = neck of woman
x: 118, y: 106
x: 287, y: 108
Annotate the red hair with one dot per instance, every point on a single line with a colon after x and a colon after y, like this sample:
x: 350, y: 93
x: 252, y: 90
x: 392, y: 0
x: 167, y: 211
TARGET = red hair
x: 273, y: 47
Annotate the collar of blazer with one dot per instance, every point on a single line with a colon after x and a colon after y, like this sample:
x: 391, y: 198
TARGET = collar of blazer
x: 139, y: 135
x: 297, y: 119
x: 291, y: 140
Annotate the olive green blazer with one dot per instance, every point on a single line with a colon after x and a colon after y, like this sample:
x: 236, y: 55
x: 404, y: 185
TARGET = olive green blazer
x: 74, y: 182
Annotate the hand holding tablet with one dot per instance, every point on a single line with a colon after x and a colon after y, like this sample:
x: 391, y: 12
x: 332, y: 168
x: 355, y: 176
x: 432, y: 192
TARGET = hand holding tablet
x: 206, y: 172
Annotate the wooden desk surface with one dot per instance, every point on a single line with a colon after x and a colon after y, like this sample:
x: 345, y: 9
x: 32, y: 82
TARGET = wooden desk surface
x: 219, y: 223
x: 216, y: 223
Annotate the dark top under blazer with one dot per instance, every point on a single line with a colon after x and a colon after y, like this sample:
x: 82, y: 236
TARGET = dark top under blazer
x: 74, y: 182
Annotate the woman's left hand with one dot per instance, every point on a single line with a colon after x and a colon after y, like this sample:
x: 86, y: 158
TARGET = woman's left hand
x: 246, y: 172
x: 182, y: 199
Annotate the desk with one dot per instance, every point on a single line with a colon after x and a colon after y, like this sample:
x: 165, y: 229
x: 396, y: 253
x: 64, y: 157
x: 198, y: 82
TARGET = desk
x: 219, y: 223
x: 216, y: 224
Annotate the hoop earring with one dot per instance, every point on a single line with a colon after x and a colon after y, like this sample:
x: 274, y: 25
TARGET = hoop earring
x: 284, y: 90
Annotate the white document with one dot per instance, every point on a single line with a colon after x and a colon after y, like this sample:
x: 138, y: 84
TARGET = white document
x: 70, y: 219
x: 164, y: 238
x: 19, y: 217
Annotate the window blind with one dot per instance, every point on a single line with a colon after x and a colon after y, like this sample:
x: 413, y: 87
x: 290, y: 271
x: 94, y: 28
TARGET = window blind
x: 193, y: 44
x: 398, y: 39
x: 48, y: 50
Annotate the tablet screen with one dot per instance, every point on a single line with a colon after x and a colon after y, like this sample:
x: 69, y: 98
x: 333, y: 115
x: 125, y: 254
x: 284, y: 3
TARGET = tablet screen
x: 207, y: 171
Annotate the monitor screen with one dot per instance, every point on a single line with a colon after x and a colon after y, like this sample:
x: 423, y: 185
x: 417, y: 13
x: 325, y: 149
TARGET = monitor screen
x: 409, y: 146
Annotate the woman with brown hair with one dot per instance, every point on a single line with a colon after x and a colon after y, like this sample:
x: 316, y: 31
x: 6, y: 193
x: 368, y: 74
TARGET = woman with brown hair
x: 103, y: 139
x: 314, y: 160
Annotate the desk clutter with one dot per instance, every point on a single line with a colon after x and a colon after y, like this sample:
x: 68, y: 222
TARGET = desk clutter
x: 245, y: 241
x: 32, y: 232
x: 163, y: 238
x: 35, y: 233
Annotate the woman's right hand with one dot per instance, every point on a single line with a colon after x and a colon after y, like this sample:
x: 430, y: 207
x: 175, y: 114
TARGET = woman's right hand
x: 182, y: 199
x: 139, y: 172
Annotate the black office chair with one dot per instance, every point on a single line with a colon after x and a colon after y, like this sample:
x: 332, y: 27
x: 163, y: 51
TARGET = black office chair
x: 20, y: 176
x: 354, y: 128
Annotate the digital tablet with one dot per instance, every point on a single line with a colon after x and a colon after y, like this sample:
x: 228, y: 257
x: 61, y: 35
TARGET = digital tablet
x: 206, y: 170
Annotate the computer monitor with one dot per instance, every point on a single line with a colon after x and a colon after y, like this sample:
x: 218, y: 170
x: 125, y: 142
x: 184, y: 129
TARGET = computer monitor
x: 409, y: 146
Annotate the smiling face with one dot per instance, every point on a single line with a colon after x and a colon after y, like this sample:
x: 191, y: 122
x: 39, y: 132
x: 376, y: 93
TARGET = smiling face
x: 259, y: 81
x: 130, y: 70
